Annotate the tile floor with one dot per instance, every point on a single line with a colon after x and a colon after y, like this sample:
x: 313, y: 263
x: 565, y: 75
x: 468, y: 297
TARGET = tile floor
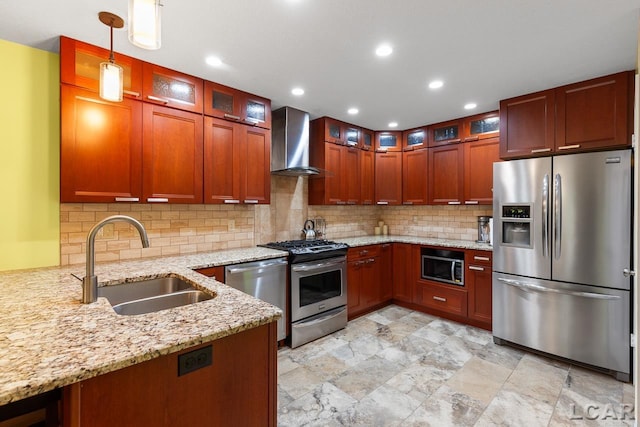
x: 397, y: 367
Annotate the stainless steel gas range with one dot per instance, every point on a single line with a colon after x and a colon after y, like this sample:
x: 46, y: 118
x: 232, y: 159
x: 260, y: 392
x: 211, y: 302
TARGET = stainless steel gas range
x: 318, y: 277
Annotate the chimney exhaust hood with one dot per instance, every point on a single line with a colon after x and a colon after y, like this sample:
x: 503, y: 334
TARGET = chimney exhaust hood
x: 290, y: 143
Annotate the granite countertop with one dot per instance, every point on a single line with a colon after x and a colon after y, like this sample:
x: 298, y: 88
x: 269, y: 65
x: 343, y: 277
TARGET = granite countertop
x: 49, y: 339
x: 374, y: 240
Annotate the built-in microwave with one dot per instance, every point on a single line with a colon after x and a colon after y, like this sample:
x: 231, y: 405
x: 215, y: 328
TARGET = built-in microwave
x: 443, y: 265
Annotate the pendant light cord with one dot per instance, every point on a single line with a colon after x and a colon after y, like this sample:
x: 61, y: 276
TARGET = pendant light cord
x: 111, y: 57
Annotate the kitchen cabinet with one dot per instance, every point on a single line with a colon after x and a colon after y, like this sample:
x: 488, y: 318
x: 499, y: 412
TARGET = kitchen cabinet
x: 404, y: 272
x: 331, y: 130
x: 479, y: 157
x: 171, y: 88
x: 80, y: 66
x: 446, y: 174
x: 100, y: 149
x: 415, y: 164
x: 387, y: 141
x: 478, y: 283
x: 216, y: 272
x: 481, y: 126
x: 232, y: 104
x: 585, y: 116
x: 367, y: 139
x: 442, y: 298
x: 414, y: 139
x: 527, y: 125
x: 368, y: 278
x: 388, y: 178
x: 595, y: 114
x: 367, y: 177
x: 238, y: 387
x: 445, y: 133
x: 352, y: 135
x: 340, y: 184
x: 236, y: 163
x: 172, y: 155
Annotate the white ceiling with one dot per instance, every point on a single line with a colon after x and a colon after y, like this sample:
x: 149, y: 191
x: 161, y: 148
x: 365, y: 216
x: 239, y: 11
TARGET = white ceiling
x: 484, y: 51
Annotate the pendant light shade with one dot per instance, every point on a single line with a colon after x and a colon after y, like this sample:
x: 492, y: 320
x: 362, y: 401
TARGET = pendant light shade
x: 144, y: 23
x: 111, y: 78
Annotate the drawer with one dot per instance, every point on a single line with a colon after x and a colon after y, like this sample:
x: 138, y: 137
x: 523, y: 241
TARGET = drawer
x: 363, y: 252
x: 443, y: 298
x: 473, y: 257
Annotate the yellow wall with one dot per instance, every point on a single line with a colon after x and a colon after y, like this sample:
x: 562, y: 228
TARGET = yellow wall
x: 29, y: 157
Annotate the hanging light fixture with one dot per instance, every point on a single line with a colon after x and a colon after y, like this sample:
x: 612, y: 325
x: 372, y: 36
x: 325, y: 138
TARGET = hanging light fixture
x: 110, y: 73
x: 144, y: 23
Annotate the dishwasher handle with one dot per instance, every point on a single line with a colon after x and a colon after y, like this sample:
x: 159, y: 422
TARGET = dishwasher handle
x: 256, y: 266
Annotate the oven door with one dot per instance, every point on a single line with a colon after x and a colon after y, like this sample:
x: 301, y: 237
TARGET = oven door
x: 318, y: 286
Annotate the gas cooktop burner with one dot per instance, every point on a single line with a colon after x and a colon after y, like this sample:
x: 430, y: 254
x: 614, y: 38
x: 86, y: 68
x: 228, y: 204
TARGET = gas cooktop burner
x: 312, y: 249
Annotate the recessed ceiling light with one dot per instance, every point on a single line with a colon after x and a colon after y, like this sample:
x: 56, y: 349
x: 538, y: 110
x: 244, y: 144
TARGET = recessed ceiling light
x: 393, y: 124
x: 353, y: 111
x: 297, y: 91
x: 470, y: 106
x: 384, y: 50
x: 214, y: 61
x: 435, y: 84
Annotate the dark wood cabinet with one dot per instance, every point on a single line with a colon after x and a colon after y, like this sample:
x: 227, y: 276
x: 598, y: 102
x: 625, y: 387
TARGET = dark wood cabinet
x: 527, y: 125
x: 405, y: 257
x: 216, y: 272
x: 236, y: 163
x: 415, y: 165
x: 367, y: 139
x: 101, y: 148
x: 481, y: 126
x: 479, y: 157
x: 385, y: 277
x: 171, y: 88
x: 227, y: 103
x: 332, y: 130
x: 388, y: 178
x: 80, y: 66
x: 369, y: 278
x: 172, y: 155
x: 352, y: 135
x: 367, y: 177
x: 478, y: 283
x: 341, y: 182
x: 387, y: 141
x: 414, y: 139
x: 446, y: 174
x: 443, y: 298
x: 595, y: 114
x: 445, y: 133
x: 239, y: 387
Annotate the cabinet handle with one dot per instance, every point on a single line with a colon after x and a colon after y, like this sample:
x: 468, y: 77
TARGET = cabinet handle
x: 455, y: 141
x: 473, y: 267
x: 381, y: 150
x: 364, y: 252
x: 470, y: 202
x: 127, y: 199
x: 157, y: 200
x: 386, y: 245
x: 440, y: 299
x: 541, y: 150
x: 131, y: 93
x: 407, y: 203
x: 251, y: 201
x: 351, y: 202
x: 155, y: 98
x: 481, y: 258
x: 250, y: 121
x: 382, y: 203
x: 231, y: 201
x: 569, y: 147
x: 471, y: 138
x: 453, y: 203
x: 231, y: 116
x: 340, y: 202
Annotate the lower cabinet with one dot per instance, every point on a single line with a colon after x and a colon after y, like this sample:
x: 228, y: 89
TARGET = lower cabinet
x: 368, y: 278
x: 403, y: 271
x: 237, y: 388
x: 478, y: 282
x: 446, y: 298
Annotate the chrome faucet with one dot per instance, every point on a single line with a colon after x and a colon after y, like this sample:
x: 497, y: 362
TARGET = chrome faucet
x: 90, y: 281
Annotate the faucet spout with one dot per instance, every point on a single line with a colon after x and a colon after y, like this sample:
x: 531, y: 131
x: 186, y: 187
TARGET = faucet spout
x: 90, y: 281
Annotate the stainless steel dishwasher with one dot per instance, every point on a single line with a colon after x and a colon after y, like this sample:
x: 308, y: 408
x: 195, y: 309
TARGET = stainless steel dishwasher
x: 265, y: 280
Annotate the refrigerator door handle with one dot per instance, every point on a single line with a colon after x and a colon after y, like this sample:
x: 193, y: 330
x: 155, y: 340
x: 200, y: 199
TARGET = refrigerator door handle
x: 557, y: 220
x: 545, y: 216
x: 532, y: 287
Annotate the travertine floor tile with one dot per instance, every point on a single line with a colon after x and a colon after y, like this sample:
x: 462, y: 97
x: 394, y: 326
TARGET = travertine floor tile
x: 479, y: 379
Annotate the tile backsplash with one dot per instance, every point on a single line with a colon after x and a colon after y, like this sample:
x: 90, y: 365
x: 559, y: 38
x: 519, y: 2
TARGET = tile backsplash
x: 183, y: 229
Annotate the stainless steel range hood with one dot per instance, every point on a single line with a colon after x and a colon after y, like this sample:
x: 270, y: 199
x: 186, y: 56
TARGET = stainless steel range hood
x: 290, y: 143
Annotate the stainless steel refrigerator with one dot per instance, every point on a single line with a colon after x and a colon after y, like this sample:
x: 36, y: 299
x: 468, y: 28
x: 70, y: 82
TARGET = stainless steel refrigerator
x: 562, y: 255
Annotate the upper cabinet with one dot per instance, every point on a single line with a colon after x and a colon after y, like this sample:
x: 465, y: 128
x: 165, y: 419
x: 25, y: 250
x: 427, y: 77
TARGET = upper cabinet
x: 482, y: 126
x: 590, y: 115
x: 414, y: 139
x: 388, y: 141
x: 80, y: 66
x: 367, y: 139
x: 445, y: 133
x: 352, y: 135
x: 172, y: 89
x: 388, y: 178
x: 333, y: 131
x: 232, y: 104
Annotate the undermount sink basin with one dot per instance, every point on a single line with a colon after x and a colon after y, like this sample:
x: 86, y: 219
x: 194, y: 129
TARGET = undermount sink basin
x: 148, y: 296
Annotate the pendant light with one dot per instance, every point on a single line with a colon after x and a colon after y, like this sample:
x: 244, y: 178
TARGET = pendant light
x: 144, y: 23
x: 110, y: 73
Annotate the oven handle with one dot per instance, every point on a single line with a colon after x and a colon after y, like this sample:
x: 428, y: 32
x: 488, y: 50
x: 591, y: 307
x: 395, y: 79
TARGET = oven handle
x: 316, y: 266
x: 330, y: 315
x: 528, y: 287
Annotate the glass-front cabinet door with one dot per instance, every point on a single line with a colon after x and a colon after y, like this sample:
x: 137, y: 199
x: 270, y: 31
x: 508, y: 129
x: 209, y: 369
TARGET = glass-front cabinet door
x: 171, y: 88
x: 352, y: 135
x: 445, y: 133
x: 482, y: 126
x: 334, y: 131
x: 414, y: 139
x: 388, y: 141
x: 222, y: 101
x: 366, y: 139
x: 256, y: 110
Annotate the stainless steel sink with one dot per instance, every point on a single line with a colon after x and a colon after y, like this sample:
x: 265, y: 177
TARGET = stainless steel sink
x: 148, y: 296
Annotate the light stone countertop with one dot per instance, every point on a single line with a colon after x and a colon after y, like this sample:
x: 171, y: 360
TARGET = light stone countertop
x: 374, y: 240
x: 49, y: 339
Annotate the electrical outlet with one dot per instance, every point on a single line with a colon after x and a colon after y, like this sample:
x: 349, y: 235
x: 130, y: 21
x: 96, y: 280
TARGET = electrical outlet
x: 195, y: 360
